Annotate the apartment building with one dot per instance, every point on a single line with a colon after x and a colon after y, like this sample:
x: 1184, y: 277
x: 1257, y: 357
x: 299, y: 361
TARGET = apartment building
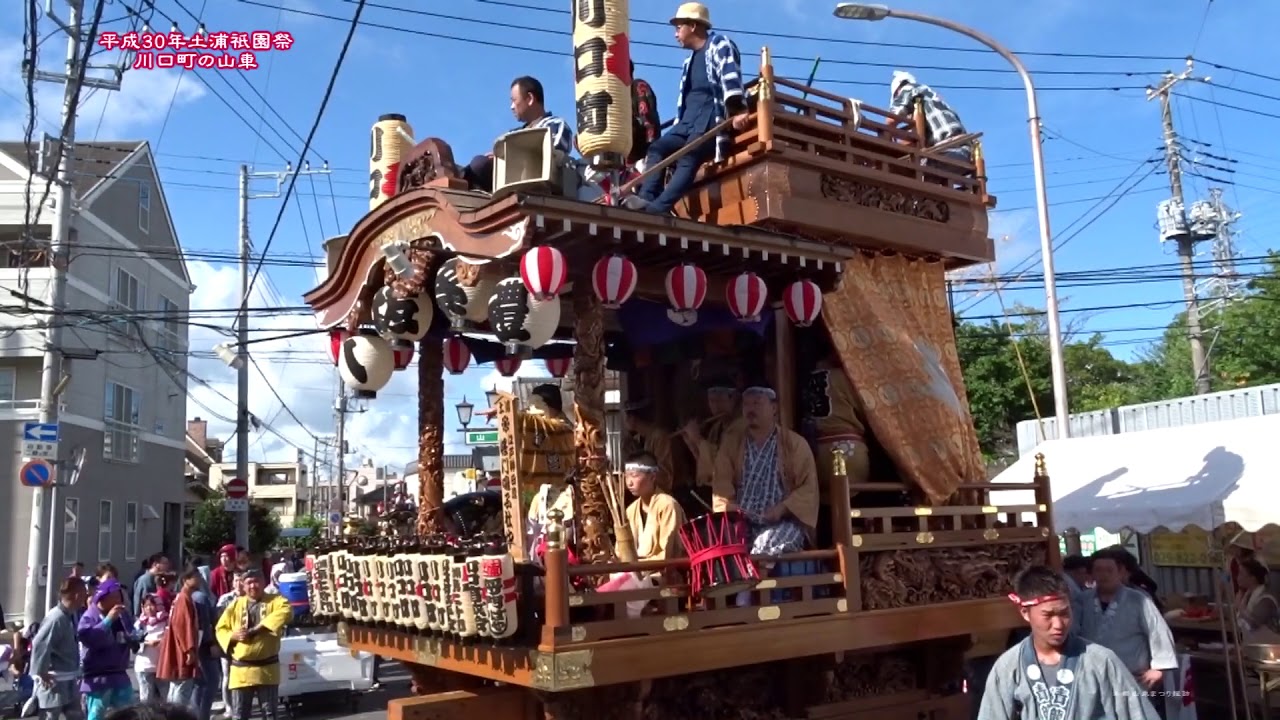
x: 282, y: 487
x: 123, y: 403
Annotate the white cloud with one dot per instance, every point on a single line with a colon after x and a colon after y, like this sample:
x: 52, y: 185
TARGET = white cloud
x: 143, y: 100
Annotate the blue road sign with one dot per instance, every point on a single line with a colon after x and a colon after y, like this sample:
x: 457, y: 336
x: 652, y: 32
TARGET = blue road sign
x: 36, y: 473
x: 335, y: 518
x: 41, y: 432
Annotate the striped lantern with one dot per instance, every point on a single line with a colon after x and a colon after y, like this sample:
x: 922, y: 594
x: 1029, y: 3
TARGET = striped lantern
x: 403, y: 350
x: 558, y: 367
x: 802, y: 301
x: 457, y: 356
x: 336, y: 338
x: 746, y: 295
x: 602, y: 92
x: 686, y: 289
x: 544, y: 272
x: 614, y: 279
x: 508, y: 366
x: 390, y: 140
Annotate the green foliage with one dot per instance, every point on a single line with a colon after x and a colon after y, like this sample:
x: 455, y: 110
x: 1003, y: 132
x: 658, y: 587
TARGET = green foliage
x: 305, y: 522
x: 1242, y: 336
x: 212, y: 527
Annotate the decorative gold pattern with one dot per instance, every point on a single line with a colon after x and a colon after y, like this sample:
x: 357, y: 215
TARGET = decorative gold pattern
x: 769, y: 612
x: 588, y: 402
x: 900, y: 202
x: 891, y: 327
x: 991, y: 535
x: 675, y: 623
x: 1041, y: 470
x: 865, y: 676
x: 561, y: 671
x: 904, y: 578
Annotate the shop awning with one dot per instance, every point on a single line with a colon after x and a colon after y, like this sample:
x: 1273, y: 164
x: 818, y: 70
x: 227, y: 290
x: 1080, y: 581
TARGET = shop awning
x: 1202, y: 475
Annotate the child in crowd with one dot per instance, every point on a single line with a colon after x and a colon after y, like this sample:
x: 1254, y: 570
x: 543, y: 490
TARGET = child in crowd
x: 150, y: 628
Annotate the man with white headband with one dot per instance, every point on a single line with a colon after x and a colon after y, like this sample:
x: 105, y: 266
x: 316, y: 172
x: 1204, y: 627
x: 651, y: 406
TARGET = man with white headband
x: 647, y: 436
x: 768, y: 474
x: 1054, y: 673
x: 654, y: 516
x: 705, y: 438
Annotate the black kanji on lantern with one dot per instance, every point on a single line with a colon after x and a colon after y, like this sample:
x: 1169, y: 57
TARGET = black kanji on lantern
x: 450, y: 296
x: 509, y: 310
x: 358, y: 371
x: 396, y: 316
x: 817, y: 394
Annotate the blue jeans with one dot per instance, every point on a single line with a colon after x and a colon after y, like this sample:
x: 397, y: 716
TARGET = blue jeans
x: 100, y: 702
x: 182, y: 692
x: 208, y: 688
x: 662, y: 198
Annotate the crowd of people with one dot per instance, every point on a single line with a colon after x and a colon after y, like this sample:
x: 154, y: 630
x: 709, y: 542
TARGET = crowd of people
x: 192, y: 639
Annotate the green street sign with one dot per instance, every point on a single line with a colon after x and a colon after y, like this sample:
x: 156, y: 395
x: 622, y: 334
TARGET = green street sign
x: 482, y: 437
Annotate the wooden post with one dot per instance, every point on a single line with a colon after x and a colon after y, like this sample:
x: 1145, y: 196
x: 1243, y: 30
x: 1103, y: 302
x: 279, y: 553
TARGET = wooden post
x: 589, y: 433
x: 784, y: 369
x: 980, y: 172
x: 556, y: 562
x: 764, y: 101
x: 841, y: 517
x: 1044, y: 517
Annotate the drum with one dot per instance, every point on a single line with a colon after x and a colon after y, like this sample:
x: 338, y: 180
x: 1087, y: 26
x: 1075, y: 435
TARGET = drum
x: 718, y: 561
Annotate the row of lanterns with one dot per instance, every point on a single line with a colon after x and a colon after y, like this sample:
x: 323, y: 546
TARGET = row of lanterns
x: 524, y: 312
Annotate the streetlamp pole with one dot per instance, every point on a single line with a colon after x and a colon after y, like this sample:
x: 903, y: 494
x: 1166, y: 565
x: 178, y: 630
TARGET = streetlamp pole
x: 861, y: 11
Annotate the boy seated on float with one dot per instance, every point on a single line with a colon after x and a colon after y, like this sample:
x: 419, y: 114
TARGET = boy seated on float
x: 769, y: 475
x: 528, y: 104
x: 654, y: 519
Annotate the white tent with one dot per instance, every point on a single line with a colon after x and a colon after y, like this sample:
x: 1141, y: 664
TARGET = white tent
x: 1202, y: 475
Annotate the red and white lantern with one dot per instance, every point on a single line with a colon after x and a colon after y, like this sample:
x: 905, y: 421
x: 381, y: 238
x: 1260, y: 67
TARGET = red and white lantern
x: 746, y: 295
x: 558, y: 367
x: 508, y: 366
x: 336, y: 338
x: 686, y: 287
x: 402, y: 351
x: 614, y: 279
x: 457, y: 356
x: 544, y: 272
x: 803, y: 302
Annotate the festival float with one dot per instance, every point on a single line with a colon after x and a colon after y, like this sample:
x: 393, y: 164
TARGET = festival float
x: 828, y: 217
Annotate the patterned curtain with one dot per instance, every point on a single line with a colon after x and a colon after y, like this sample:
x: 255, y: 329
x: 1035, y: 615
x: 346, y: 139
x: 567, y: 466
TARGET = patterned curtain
x: 890, y: 325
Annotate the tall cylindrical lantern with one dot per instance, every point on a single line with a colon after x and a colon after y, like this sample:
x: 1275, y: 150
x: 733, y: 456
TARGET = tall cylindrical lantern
x: 602, y: 90
x: 390, y: 140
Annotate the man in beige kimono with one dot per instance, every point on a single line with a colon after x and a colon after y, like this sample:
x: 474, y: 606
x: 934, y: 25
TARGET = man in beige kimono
x: 648, y: 436
x: 705, y: 438
x: 654, y: 517
x: 768, y: 474
x: 835, y: 418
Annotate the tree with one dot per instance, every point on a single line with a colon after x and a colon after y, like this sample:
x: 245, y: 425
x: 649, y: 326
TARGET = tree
x: 305, y: 522
x: 212, y: 527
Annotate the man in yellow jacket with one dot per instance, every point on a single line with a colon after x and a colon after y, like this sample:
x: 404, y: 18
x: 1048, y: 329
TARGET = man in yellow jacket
x: 249, y: 632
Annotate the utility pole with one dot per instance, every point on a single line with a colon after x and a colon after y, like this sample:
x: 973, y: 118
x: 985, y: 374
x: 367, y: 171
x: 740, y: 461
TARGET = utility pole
x: 242, y: 323
x: 1226, y: 277
x: 341, y: 408
x: 1186, y: 242
x: 72, y: 79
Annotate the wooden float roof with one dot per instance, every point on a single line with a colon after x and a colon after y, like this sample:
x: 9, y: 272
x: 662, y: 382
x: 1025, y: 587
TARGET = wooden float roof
x: 482, y: 230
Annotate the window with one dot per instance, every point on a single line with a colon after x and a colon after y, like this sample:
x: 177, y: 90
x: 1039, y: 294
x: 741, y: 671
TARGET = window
x: 144, y: 207
x: 71, y: 531
x: 169, y: 335
x: 122, y: 418
x: 8, y: 384
x: 128, y: 290
x: 131, y: 531
x: 104, y: 531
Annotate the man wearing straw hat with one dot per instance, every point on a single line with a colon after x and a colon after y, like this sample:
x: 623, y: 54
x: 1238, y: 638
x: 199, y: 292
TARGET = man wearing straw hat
x: 711, y: 90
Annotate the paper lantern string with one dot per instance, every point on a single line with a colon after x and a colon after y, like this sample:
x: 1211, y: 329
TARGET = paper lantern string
x: 1032, y: 602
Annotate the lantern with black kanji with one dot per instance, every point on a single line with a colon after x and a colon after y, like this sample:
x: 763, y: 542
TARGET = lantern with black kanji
x: 518, y: 319
x: 614, y: 279
x: 559, y: 366
x: 460, y: 301
x: 400, y: 318
x: 403, y: 352
x: 457, y: 356
x: 746, y: 295
x: 544, y: 272
x: 802, y: 301
x: 508, y: 366
x: 366, y: 363
x: 686, y: 291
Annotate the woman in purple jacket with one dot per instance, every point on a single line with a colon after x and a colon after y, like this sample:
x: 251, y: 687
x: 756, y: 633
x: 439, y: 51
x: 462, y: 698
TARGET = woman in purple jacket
x: 105, y: 633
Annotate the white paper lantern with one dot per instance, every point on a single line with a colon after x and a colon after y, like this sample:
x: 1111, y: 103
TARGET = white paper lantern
x: 461, y: 303
x: 518, y: 319
x: 366, y: 363
x: 401, y: 319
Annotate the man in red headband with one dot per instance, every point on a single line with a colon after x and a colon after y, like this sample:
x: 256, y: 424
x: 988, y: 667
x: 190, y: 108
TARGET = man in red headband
x: 1053, y: 673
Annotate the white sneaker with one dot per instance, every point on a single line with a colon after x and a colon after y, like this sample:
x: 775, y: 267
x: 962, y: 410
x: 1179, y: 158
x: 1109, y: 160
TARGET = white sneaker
x: 635, y: 202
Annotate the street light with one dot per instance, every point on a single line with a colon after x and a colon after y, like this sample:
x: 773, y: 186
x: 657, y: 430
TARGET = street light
x: 465, y: 410
x: 491, y: 396
x: 867, y: 11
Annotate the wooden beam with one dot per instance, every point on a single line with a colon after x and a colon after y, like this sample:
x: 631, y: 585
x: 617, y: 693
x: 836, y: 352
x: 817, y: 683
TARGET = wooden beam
x: 784, y: 380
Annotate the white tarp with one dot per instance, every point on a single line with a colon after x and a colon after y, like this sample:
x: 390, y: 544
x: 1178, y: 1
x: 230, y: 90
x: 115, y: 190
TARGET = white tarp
x: 1203, y: 475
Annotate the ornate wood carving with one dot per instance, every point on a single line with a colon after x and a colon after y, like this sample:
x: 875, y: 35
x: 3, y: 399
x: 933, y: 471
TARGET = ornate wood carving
x: 589, y: 437
x: 863, y: 676
x: 886, y: 199
x: 430, y: 159
x: 903, y: 578
x: 430, y: 435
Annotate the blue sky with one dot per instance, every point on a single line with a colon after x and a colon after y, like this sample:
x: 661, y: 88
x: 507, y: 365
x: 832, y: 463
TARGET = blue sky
x: 449, y: 73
